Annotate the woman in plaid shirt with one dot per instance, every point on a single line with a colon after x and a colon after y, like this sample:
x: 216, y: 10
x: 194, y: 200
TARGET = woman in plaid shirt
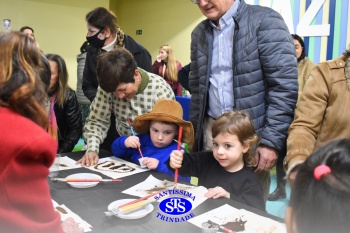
x: 124, y: 90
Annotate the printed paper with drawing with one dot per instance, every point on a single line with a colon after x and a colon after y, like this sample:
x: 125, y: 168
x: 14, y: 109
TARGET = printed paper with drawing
x: 67, y: 163
x: 116, y: 168
x: 152, y: 185
x: 239, y: 220
x: 65, y: 213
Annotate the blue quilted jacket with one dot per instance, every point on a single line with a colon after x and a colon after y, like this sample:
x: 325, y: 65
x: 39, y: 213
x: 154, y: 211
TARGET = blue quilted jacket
x: 265, y: 72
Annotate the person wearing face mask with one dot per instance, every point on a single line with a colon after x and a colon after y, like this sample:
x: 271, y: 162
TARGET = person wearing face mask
x: 103, y: 35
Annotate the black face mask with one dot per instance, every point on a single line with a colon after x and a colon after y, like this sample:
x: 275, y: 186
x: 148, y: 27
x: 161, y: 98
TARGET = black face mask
x: 95, y: 41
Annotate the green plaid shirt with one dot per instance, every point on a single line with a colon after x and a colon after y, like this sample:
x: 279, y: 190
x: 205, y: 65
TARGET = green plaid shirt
x: 152, y: 88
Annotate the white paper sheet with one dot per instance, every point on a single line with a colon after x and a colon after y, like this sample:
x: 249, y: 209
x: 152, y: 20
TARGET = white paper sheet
x: 65, y: 213
x: 250, y: 222
x: 67, y: 163
x: 116, y: 168
x: 152, y: 185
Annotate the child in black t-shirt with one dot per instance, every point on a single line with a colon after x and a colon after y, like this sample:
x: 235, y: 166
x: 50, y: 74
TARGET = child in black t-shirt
x: 226, y: 171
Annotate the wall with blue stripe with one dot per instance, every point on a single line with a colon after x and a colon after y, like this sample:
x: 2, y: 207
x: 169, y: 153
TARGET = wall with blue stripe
x: 324, y: 24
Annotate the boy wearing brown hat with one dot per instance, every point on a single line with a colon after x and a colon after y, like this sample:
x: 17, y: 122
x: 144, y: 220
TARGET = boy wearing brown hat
x: 156, y: 133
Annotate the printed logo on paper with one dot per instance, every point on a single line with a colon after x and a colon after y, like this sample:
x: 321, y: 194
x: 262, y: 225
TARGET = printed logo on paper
x: 175, y: 208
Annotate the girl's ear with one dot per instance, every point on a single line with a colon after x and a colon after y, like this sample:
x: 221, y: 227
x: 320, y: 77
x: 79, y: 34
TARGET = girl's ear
x: 246, y: 147
x: 289, y: 220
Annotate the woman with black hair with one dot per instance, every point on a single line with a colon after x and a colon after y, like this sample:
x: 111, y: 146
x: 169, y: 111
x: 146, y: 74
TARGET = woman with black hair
x: 65, y: 123
x: 304, y: 64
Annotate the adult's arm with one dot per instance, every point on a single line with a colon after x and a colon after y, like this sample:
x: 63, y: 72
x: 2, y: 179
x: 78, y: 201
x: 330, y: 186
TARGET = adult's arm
x: 183, y: 76
x: 142, y: 56
x: 309, y: 114
x: 81, y: 58
x: 194, y: 80
x: 96, y: 126
x: 178, y: 89
x: 90, y: 82
x: 144, y: 61
x: 279, y: 65
x: 179, y: 86
x: 72, y: 121
x: 26, y: 204
x: 98, y: 121
x: 155, y: 67
x: 164, y: 92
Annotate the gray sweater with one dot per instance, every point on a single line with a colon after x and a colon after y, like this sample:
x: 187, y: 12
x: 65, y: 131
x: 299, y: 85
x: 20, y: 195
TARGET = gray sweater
x: 80, y: 69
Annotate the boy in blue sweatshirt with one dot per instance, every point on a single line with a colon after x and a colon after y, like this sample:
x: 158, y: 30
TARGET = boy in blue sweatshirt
x: 156, y: 133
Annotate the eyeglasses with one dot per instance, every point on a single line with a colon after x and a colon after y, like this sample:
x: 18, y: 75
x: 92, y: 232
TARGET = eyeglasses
x: 198, y: 1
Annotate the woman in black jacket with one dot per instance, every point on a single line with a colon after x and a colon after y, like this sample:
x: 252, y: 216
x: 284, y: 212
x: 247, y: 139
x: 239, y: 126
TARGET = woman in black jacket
x: 104, y: 34
x: 65, y: 115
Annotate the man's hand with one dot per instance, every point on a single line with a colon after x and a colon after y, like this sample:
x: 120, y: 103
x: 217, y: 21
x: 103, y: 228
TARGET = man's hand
x: 89, y: 159
x: 217, y: 192
x: 266, y: 158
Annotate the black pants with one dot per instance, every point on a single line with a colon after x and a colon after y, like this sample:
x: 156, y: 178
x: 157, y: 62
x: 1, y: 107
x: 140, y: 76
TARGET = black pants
x: 280, y: 173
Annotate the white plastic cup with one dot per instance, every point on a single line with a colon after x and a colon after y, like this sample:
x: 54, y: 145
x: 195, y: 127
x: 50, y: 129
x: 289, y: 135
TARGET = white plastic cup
x: 209, y: 228
x: 140, y: 161
x: 55, y: 167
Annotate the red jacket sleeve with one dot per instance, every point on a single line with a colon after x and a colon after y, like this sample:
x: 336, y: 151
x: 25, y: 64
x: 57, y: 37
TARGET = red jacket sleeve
x: 25, y: 199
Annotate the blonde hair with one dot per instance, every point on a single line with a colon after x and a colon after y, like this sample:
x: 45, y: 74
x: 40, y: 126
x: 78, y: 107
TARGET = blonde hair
x: 171, y: 63
x: 238, y: 123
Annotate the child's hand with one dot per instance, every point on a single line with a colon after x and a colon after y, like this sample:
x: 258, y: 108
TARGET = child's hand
x: 151, y: 163
x: 176, y: 158
x: 217, y: 192
x: 132, y: 142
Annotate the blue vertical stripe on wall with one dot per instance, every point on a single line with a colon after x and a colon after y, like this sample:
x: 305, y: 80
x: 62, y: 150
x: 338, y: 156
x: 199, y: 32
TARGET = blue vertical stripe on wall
x: 338, y: 19
x: 296, y: 14
x: 317, y: 48
x: 344, y: 23
x: 306, y: 39
x: 331, y: 34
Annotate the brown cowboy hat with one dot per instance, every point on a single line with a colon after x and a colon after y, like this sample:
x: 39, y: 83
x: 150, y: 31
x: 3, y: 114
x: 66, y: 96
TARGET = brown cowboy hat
x: 167, y: 111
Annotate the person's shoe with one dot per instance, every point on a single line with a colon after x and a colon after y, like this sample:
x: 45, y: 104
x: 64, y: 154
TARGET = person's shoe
x: 279, y: 193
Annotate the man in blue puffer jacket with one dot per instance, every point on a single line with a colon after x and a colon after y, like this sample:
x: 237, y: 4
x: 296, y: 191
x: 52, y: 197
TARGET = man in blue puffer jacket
x: 243, y: 57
